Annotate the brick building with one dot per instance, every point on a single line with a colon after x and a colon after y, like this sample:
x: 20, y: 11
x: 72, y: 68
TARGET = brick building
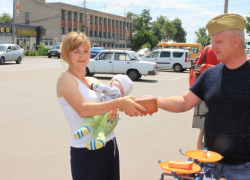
x: 103, y: 29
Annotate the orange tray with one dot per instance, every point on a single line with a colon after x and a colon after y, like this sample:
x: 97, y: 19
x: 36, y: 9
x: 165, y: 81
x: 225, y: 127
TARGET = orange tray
x: 195, y: 168
x: 198, y: 154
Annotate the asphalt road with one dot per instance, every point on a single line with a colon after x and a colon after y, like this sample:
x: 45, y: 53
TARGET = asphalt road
x: 35, y: 137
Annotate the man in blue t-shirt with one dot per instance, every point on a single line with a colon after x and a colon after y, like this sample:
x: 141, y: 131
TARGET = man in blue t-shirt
x: 225, y: 88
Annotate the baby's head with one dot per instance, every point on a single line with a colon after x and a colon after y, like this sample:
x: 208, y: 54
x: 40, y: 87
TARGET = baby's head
x: 123, y: 82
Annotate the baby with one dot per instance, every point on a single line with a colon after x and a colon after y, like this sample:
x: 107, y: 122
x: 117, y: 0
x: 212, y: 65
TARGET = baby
x: 119, y: 86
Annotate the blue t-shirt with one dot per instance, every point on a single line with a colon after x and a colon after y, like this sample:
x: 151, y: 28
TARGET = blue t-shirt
x: 226, y: 93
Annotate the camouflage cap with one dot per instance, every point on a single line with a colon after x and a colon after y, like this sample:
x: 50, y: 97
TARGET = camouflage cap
x: 225, y: 22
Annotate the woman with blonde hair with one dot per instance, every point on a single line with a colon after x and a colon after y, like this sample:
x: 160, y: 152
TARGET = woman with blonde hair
x: 78, y: 101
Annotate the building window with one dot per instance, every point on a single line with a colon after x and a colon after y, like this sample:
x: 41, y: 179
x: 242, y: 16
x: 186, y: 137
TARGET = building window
x: 105, y: 34
x: 69, y: 15
x: 91, y: 19
x: 95, y: 34
x: 105, y: 21
x: 63, y: 14
x: 100, y: 34
x: 69, y: 30
x: 91, y: 33
x: 100, y: 21
x: 27, y: 18
x: 109, y: 35
x: 62, y: 30
x: 96, y: 19
x: 80, y: 17
x: 116, y: 46
x: 74, y: 29
x: 113, y: 35
x: 74, y: 16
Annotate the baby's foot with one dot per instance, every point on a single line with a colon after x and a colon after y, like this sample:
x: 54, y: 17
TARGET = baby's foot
x: 84, y: 130
x: 94, y: 145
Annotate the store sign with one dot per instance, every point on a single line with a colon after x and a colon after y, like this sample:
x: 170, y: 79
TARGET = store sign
x: 1, y: 29
x: 7, y: 30
x: 4, y: 30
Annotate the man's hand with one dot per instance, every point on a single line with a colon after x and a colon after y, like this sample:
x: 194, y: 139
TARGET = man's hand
x: 131, y: 108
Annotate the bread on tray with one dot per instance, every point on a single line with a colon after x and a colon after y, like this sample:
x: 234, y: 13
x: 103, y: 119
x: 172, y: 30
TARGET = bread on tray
x: 181, y: 164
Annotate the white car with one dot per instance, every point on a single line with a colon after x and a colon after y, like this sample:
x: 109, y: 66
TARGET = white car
x: 143, y: 51
x: 178, y: 59
x: 11, y: 52
x: 120, y: 62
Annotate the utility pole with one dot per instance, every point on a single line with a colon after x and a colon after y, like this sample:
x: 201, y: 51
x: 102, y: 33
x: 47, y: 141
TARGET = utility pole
x: 226, y: 6
x: 13, y: 26
x: 85, y: 17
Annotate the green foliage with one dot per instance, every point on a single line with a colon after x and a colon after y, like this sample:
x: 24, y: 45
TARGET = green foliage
x: 147, y: 45
x: 143, y: 37
x: 42, y: 50
x: 180, y: 35
x: 202, y: 36
x: 82, y: 28
x: 5, y: 18
x: 248, y: 25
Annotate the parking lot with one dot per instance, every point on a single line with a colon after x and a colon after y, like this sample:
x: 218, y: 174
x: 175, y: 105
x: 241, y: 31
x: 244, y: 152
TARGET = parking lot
x: 35, y: 137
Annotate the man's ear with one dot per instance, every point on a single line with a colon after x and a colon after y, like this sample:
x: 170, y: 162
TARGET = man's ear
x: 236, y: 41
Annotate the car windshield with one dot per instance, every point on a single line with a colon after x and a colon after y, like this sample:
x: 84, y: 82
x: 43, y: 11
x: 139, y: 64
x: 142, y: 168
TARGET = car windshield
x: 56, y: 47
x: 141, y: 50
x: 2, y: 48
x: 136, y: 56
x: 96, y: 48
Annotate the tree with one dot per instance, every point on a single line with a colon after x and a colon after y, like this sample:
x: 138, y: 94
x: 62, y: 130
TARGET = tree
x: 180, y: 35
x: 156, y: 28
x: 248, y: 25
x: 202, y: 36
x: 146, y: 18
x: 170, y: 30
x: 143, y: 37
x: 5, y: 18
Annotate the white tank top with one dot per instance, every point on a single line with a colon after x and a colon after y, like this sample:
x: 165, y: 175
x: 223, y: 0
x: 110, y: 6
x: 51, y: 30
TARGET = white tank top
x: 75, y: 121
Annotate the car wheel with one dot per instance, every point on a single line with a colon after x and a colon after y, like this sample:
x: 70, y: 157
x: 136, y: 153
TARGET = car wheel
x: 49, y: 56
x: 133, y: 75
x: 18, y: 61
x: 2, y: 61
x: 177, y: 68
x: 87, y: 73
x: 59, y: 56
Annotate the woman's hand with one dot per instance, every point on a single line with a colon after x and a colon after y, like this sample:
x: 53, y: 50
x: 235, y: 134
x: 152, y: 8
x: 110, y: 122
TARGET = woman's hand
x: 113, y: 114
x: 131, y: 108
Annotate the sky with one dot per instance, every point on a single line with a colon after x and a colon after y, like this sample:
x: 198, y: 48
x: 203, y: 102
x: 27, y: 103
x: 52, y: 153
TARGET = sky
x: 194, y: 14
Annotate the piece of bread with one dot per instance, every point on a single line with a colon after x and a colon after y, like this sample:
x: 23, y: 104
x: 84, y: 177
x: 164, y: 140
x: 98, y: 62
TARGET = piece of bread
x: 181, y: 164
x: 150, y: 104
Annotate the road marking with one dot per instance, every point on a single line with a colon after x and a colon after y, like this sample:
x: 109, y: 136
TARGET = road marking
x: 178, y: 78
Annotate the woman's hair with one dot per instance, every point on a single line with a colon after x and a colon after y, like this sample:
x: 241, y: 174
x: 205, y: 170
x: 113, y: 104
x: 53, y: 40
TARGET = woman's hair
x: 72, y: 41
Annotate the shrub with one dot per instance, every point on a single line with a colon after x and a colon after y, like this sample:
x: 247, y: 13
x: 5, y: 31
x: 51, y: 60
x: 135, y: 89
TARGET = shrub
x: 42, y: 50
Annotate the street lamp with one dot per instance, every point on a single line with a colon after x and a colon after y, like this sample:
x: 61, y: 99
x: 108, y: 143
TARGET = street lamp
x: 125, y: 22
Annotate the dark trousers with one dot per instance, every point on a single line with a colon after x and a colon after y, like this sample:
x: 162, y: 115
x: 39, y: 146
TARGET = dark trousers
x: 101, y: 164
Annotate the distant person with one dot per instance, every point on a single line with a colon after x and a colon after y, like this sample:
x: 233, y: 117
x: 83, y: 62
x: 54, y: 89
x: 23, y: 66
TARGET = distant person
x: 78, y: 101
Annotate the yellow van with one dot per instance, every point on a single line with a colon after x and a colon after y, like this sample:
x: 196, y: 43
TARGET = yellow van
x: 194, y: 48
